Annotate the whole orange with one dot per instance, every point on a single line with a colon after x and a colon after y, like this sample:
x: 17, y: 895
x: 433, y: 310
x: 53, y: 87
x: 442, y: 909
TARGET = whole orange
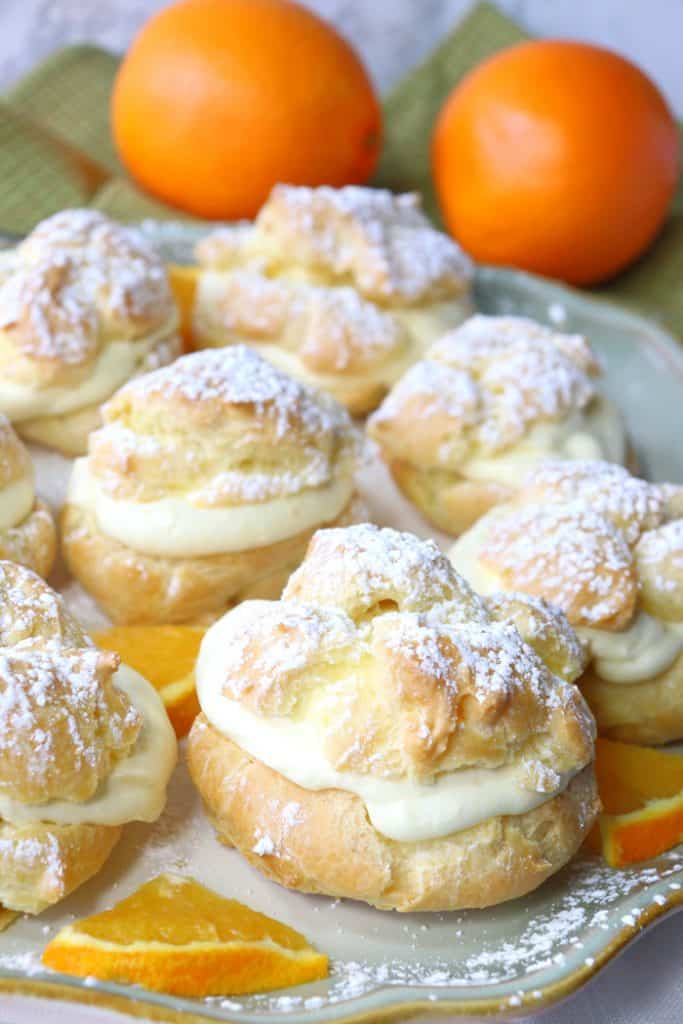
x: 218, y: 100
x: 557, y: 157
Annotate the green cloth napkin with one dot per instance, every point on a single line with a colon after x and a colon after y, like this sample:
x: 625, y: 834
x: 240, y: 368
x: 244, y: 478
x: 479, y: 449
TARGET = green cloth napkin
x: 56, y: 150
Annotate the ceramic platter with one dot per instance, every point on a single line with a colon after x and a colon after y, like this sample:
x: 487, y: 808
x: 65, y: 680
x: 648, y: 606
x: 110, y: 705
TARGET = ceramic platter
x: 511, y: 959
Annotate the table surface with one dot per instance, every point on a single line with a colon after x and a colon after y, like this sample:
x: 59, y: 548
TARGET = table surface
x: 645, y: 984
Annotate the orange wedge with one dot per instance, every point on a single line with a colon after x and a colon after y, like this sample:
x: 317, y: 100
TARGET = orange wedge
x: 183, y: 280
x: 175, y: 936
x: 642, y: 794
x: 165, y: 655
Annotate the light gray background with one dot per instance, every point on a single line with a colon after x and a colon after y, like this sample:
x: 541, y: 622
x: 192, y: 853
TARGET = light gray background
x: 645, y: 985
x: 390, y: 34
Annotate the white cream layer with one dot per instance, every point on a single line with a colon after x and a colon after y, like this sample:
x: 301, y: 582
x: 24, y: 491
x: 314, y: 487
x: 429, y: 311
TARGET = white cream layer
x: 649, y: 646
x: 117, y: 363
x: 177, y: 528
x: 136, y: 788
x: 596, y: 432
x: 404, y: 810
x: 16, y: 501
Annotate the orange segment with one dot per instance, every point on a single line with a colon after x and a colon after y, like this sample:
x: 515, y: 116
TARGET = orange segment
x: 183, y: 281
x: 173, y: 935
x: 629, y: 838
x: 642, y: 794
x: 165, y: 655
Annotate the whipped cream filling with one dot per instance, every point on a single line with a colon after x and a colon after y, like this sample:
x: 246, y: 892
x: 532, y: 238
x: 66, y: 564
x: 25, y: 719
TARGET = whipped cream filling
x: 16, y: 502
x: 429, y: 322
x: 649, y: 646
x: 176, y: 527
x: 406, y: 810
x: 595, y: 432
x: 136, y: 788
x: 116, y: 363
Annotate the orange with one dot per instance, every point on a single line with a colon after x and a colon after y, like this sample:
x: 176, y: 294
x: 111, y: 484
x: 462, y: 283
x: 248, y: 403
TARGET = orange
x: 219, y: 100
x: 175, y: 936
x: 166, y: 656
x: 183, y: 280
x: 642, y: 794
x: 555, y: 157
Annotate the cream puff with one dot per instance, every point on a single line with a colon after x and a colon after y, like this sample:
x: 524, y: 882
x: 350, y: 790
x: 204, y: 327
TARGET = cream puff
x: 607, y: 549
x: 342, y: 288
x: 204, y: 486
x: 87, y: 305
x: 491, y: 399
x: 382, y: 733
x: 85, y: 747
x: 27, y: 531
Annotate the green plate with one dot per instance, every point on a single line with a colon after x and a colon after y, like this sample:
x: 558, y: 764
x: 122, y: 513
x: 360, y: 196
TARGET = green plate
x: 508, y: 960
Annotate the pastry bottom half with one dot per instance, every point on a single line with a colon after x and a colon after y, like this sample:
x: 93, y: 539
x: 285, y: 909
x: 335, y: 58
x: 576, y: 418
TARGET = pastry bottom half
x: 650, y: 712
x: 330, y: 846
x: 33, y: 542
x: 131, y: 587
x: 450, y: 502
x: 40, y: 864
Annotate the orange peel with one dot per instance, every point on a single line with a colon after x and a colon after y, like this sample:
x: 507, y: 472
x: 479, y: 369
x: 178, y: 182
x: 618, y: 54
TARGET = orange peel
x: 641, y: 789
x: 173, y: 935
x: 165, y: 655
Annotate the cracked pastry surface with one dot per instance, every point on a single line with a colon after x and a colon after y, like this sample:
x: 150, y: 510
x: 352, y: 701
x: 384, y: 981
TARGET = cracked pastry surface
x: 607, y: 549
x: 204, y: 485
x: 384, y: 734
x: 85, y: 306
x: 342, y: 288
x: 85, y: 747
x: 489, y: 400
x: 27, y: 531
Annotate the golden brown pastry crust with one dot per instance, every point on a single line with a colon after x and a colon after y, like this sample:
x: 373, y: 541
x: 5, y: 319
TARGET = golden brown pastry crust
x: 603, y: 546
x: 33, y: 541
x: 649, y: 712
x: 478, y: 393
x: 78, y: 284
x: 134, y: 588
x: 41, y: 864
x: 401, y: 672
x: 63, y: 726
x: 321, y: 279
x: 333, y: 848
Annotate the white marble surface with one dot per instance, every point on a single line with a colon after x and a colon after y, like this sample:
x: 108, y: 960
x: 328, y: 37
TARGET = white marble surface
x: 390, y: 34
x: 646, y: 983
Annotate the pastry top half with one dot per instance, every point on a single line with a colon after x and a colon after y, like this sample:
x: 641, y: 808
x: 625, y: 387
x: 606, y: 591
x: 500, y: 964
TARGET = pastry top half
x: 84, y: 303
x: 83, y: 740
x: 382, y: 673
x: 342, y: 281
x: 495, y: 394
x: 187, y: 453
x: 600, y: 544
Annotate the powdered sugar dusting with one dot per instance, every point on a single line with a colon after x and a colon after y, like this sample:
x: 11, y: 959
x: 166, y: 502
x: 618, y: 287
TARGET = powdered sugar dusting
x: 239, y: 376
x: 383, y: 241
x: 490, y: 380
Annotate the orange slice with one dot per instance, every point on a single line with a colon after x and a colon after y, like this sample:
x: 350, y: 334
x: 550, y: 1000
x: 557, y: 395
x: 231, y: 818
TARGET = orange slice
x: 642, y: 794
x: 183, y: 280
x: 165, y: 655
x: 175, y: 936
